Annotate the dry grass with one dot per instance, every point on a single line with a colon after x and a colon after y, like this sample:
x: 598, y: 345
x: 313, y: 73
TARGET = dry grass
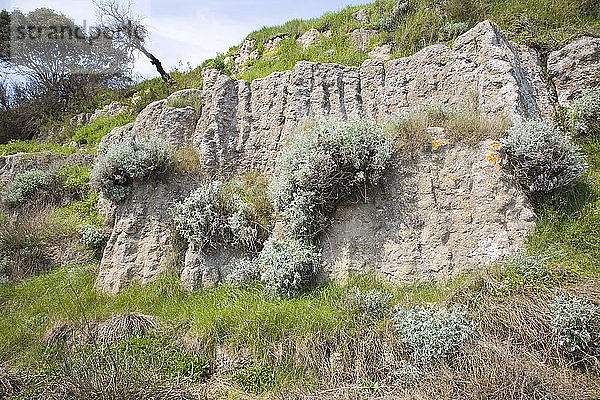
x: 187, y: 160
x: 463, y: 125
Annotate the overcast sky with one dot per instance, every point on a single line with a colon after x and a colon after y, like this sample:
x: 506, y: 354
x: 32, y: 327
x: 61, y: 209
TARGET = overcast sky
x: 192, y: 31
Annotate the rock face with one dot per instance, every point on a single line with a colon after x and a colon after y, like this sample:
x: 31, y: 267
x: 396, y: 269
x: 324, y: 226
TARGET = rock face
x: 243, y: 125
x: 574, y: 68
x: 448, y: 211
x: 110, y: 110
x: 361, y: 37
x: 309, y: 38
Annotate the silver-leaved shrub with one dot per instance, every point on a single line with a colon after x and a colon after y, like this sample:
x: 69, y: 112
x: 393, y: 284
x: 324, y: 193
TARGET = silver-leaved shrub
x: 133, y: 158
x: 572, y: 324
x: 324, y: 164
x: 541, y: 157
x: 287, y: 265
x: 587, y: 112
x: 91, y: 235
x: 25, y: 185
x: 433, y: 333
x: 215, y: 214
x: 373, y: 303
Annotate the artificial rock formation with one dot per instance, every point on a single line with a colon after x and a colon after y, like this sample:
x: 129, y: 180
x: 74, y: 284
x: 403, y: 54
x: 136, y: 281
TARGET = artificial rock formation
x: 449, y: 211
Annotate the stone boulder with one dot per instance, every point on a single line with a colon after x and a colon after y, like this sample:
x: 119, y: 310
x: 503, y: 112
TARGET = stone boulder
x: 363, y: 16
x: 574, y: 68
x: 361, y: 37
x: 449, y: 211
x: 309, y: 38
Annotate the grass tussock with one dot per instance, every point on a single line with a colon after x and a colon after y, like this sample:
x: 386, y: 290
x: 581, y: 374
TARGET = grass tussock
x: 415, y: 131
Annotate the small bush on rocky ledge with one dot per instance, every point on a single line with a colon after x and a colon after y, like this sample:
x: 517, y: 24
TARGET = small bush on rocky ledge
x: 92, y: 235
x: 26, y: 185
x: 216, y: 214
x: 572, y: 324
x: 432, y: 333
x: 133, y: 158
x: 587, y: 113
x: 287, y: 265
x: 541, y: 158
x: 332, y: 160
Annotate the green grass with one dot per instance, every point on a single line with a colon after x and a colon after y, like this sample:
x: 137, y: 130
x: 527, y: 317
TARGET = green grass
x: 92, y: 134
x: 420, y: 25
x: 32, y: 146
x: 244, y: 315
x: 570, y: 222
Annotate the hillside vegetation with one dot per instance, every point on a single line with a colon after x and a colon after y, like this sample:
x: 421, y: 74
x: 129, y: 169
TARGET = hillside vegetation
x: 527, y: 327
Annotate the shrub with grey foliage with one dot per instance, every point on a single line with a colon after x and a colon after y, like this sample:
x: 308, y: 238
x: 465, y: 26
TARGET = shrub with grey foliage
x: 332, y: 160
x: 25, y: 185
x: 374, y: 302
x: 215, y: 214
x: 541, y: 157
x: 433, y: 333
x: 243, y: 271
x: 572, y: 324
x: 287, y: 265
x: 587, y: 112
x: 133, y: 158
x: 92, y: 235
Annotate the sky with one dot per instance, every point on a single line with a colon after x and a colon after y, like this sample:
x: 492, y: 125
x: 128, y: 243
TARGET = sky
x: 189, y: 31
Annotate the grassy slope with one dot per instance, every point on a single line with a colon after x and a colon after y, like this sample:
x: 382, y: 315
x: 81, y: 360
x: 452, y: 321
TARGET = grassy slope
x: 422, y: 23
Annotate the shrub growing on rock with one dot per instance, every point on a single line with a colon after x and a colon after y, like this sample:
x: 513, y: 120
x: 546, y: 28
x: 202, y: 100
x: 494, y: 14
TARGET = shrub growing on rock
x: 541, y: 158
x: 133, y: 158
x: 26, y: 185
x: 572, y: 324
x: 287, y: 265
x: 587, y: 112
x: 91, y: 235
x: 217, y: 214
x: 433, y: 333
x: 323, y: 165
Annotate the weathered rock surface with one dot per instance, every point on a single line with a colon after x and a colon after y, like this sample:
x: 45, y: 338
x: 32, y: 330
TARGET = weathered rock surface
x: 140, y: 245
x: 110, y: 110
x: 309, y: 38
x: 382, y: 53
x: 243, y: 124
x: 361, y: 37
x: 574, y: 68
x: 449, y: 211
x: 206, y: 270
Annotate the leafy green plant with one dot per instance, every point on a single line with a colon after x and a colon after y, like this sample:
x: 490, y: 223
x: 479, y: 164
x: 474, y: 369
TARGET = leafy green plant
x: 323, y: 165
x: 255, y: 379
x: 75, y: 179
x: 27, y: 185
x: 433, y: 333
x: 100, y: 127
x: 133, y: 158
x: 287, y: 265
x: 572, y: 324
x: 33, y: 146
x: 542, y: 158
x: 217, y: 214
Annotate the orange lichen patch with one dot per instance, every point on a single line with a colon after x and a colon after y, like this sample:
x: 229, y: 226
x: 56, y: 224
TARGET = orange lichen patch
x: 493, y: 157
x: 438, y: 143
x: 495, y: 145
